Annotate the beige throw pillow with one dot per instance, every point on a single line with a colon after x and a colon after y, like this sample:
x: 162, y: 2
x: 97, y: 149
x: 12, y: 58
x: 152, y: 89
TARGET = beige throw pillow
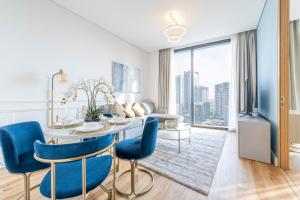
x: 128, y: 111
x: 117, y: 109
x: 138, y: 110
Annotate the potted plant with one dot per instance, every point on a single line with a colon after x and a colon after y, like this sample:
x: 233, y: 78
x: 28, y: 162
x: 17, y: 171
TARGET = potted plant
x: 92, y: 88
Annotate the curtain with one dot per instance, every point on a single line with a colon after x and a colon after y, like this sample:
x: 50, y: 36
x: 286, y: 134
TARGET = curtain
x: 164, y: 78
x: 295, y: 65
x: 232, y: 118
x: 246, y: 71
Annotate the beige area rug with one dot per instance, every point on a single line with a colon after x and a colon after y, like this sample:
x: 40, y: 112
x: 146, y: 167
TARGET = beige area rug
x: 195, y: 166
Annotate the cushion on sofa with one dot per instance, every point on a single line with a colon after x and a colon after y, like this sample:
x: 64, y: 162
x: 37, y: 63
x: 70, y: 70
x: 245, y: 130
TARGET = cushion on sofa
x: 138, y: 110
x: 148, y: 107
x: 128, y: 111
x: 117, y: 109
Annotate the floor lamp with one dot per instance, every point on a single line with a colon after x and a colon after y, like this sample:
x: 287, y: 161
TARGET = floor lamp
x: 61, y: 78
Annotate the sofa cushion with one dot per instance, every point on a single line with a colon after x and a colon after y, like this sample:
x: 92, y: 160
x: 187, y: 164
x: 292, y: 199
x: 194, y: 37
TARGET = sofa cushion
x: 138, y: 110
x: 128, y: 111
x: 148, y: 107
x: 117, y: 109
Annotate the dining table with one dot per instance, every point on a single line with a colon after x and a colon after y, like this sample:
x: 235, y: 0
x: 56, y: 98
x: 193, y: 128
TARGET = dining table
x: 70, y: 133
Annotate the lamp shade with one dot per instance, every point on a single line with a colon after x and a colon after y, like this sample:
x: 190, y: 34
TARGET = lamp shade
x: 62, y: 77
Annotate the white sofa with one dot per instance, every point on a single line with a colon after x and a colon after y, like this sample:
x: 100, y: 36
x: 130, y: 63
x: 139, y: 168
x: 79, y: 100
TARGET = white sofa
x: 151, y: 110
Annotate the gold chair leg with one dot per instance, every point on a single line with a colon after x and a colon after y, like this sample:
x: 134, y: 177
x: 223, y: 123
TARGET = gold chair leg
x: 108, y: 191
x: 133, y: 168
x: 27, y: 189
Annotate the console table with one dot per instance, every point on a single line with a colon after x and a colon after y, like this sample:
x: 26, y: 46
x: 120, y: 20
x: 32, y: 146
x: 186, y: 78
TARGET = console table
x: 254, y: 139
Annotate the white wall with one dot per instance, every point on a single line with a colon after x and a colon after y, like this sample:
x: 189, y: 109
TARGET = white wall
x: 151, y: 81
x: 294, y: 10
x: 37, y: 38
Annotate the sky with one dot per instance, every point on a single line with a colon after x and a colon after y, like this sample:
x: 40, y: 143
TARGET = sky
x: 212, y: 63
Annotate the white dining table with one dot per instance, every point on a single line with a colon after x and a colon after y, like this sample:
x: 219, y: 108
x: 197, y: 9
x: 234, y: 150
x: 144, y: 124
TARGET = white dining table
x: 71, y: 134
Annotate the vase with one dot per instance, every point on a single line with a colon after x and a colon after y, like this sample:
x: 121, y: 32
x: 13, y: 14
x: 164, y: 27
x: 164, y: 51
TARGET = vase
x: 91, y: 119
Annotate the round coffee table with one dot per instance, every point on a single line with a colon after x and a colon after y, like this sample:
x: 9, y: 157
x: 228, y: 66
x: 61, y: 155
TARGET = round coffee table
x: 176, y: 133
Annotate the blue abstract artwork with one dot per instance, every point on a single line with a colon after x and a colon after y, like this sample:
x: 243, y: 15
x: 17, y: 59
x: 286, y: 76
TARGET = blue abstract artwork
x: 125, y: 79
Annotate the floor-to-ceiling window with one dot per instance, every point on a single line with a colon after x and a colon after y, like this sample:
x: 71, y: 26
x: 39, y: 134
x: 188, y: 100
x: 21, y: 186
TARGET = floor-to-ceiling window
x: 202, y: 81
x: 182, y: 69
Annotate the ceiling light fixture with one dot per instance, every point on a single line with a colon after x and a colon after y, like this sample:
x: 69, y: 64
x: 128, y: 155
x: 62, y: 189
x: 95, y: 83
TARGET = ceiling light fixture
x: 174, y: 32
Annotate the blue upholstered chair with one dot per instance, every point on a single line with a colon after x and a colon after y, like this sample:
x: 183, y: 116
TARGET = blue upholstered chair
x: 136, y: 149
x: 75, y: 168
x: 108, y: 115
x: 17, y: 146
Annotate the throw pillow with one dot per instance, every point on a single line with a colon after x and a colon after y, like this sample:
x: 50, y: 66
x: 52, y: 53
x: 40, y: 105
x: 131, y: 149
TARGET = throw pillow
x: 148, y: 107
x: 117, y: 109
x: 128, y: 111
x: 138, y: 110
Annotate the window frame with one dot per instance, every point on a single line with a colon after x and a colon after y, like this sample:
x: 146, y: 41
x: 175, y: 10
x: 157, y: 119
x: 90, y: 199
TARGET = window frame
x: 191, y: 49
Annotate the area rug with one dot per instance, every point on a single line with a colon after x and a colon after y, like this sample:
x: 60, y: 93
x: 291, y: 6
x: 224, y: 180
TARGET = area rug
x: 195, y: 166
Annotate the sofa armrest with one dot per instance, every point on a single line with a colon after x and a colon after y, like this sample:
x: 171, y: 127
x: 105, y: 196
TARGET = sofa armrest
x: 161, y: 111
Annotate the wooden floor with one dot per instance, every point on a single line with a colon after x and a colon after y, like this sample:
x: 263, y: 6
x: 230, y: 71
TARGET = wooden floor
x: 234, y: 179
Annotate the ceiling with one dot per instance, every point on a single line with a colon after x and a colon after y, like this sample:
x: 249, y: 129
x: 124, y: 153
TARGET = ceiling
x: 142, y: 22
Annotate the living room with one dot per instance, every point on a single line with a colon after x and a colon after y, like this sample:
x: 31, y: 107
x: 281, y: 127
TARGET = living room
x: 149, y: 99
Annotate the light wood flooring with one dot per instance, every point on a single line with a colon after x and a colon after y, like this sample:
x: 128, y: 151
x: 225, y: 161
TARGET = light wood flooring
x: 234, y: 179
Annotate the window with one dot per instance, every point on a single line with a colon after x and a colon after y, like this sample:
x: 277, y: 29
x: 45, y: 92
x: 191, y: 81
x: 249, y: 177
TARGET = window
x: 202, y: 81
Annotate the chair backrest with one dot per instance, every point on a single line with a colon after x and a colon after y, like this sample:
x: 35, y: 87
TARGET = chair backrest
x: 72, y: 150
x: 150, y: 119
x: 148, y: 142
x: 108, y: 115
x: 17, y: 139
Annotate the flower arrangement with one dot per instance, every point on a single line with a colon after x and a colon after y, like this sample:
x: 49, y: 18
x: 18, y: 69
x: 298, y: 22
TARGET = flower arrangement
x: 92, y: 88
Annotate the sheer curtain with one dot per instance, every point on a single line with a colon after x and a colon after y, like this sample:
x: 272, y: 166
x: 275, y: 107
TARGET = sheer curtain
x: 232, y: 122
x: 242, y: 96
x: 295, y: 65
x: 246, y: 71
x: 164, y: 79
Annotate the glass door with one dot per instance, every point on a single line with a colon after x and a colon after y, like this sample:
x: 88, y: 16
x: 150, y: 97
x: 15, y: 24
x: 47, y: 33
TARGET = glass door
x: 202, y: 81
x: 182, y: 70
x: 212, y: 67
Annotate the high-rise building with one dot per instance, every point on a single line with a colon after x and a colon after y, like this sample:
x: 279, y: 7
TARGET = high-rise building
x: 202, y: 112
x: 178, y: 86
x: 187, y: 91
x: 179, y: 94
x: 222, y: 101
x: 200, y: 94
x: 212, y: 107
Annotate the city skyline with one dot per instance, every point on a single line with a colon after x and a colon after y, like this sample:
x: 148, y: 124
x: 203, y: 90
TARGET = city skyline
x: 208, y: 111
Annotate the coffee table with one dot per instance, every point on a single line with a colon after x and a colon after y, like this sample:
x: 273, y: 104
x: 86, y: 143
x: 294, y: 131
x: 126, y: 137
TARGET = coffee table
x: 176, y: 133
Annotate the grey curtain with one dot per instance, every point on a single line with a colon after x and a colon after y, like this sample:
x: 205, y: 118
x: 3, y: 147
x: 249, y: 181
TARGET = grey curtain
x: 295, y: 65
x: 164, y: 78
x: 246, y: 71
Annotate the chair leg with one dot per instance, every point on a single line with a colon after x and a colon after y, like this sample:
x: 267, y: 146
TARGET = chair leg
x: 133, y: 168
x: 147, y: 172
x: 108, y: 191
x: 26, y: 187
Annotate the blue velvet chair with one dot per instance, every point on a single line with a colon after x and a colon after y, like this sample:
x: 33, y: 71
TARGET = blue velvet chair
x: 75, y: 168
x: 17, y: 146
x: 108, y: 115
x: 136, y: 149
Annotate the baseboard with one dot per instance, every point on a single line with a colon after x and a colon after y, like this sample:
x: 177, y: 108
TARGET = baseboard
x: 274, y: 159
